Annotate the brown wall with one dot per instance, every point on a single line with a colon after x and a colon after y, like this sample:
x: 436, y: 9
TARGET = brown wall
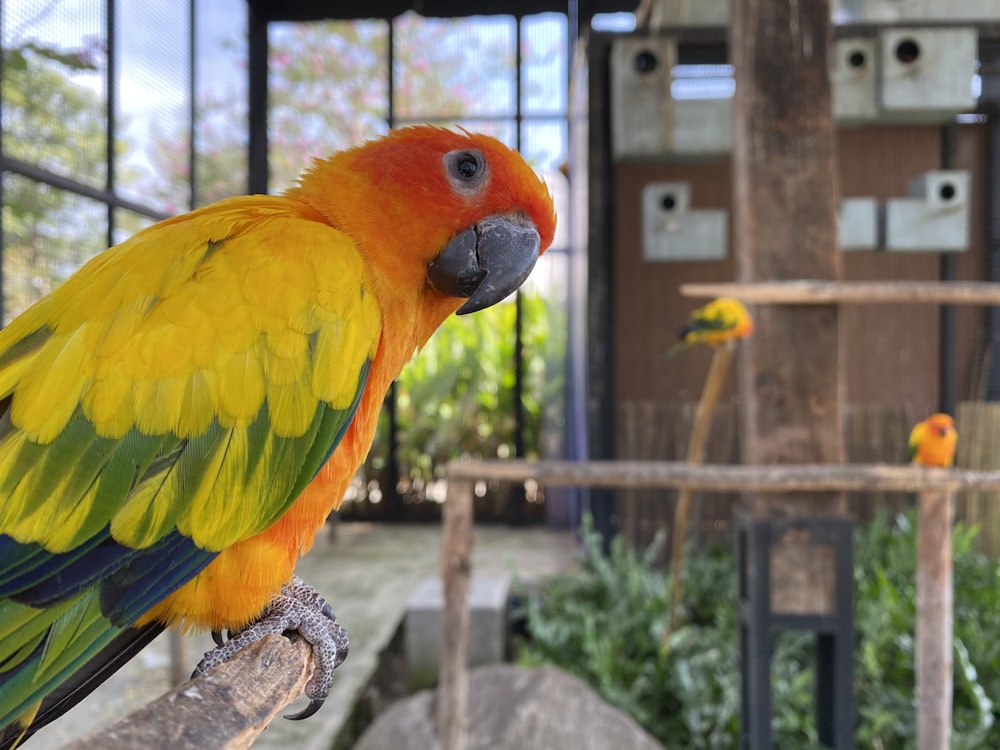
x: 891, y: 350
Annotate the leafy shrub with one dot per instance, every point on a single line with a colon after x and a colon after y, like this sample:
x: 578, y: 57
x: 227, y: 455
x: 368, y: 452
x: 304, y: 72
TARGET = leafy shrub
x: 457, y: 398
x: 605, y: 624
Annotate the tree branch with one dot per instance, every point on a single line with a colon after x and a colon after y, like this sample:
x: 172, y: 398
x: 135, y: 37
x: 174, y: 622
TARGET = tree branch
x: 226, y: 708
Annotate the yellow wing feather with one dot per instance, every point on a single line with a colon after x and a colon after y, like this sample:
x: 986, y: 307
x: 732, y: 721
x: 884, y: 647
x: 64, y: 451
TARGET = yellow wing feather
x: 189, y: 324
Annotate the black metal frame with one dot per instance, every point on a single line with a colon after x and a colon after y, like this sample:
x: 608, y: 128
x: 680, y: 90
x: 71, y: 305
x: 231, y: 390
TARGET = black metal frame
x: 835, y: 717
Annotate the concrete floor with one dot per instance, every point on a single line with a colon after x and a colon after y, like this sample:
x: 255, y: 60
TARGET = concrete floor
x: 367, y: 573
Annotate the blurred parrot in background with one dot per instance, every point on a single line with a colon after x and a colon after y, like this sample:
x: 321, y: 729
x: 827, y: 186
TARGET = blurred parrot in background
x: 164, y: 411
x: 721, y: 320
x: 932, y: 442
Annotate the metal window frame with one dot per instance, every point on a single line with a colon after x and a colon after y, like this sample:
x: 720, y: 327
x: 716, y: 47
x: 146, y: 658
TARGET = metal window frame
x: 108, y: 195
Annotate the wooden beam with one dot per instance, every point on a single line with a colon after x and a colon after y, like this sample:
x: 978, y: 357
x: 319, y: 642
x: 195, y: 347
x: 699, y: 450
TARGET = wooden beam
x: 789, y: 478
x: 813, y: 292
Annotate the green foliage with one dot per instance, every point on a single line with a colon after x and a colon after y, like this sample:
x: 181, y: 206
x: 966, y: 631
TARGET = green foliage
x: 456, y: 397
x: 605, y: 625
x: 885, y: 615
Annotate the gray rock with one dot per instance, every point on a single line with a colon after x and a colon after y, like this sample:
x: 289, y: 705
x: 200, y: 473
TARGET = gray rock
x: 514, y: 708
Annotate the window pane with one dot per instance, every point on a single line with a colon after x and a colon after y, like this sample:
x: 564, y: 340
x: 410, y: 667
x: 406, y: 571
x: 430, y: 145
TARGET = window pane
x: 454, y: 67
x: 48, y: 234
x: 543, y: 64
x: 544, y: 142
x: 127, y: 223
x: 53, y: 93
x: 328, y: 90
x: 221, y: 94
x: 152, y: 138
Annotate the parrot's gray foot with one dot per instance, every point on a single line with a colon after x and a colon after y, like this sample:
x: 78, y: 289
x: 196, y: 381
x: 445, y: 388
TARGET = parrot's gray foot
x: 299, y: 608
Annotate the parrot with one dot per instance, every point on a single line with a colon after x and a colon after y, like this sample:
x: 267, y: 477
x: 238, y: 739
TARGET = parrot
x: 932, y: 442
x: 179, y: 418
x: 721, y: 320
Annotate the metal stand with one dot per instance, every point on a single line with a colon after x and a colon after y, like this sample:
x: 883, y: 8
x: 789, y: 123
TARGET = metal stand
x: 758, y: 624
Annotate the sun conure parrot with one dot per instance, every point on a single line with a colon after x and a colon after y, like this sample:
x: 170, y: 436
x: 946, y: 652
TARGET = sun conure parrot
x: 163, y: 412
x: 932, y: 442
x: 721, y: 320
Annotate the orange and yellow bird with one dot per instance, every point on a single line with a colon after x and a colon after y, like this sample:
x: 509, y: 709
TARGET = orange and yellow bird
x: 932, y: 442
x: 164, y: 411
x: 721, y: 320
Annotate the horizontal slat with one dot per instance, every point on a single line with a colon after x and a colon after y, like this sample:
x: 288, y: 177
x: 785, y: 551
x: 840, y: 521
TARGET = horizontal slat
x: 727, y: 478
x: 814, y: 292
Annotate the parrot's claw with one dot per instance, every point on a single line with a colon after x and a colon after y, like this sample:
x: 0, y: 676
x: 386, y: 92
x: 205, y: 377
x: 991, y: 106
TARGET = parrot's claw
x: 314, y: 705
x: 298, y: 608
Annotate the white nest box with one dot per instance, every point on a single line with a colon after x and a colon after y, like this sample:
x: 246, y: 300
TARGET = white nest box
x: 673, y: 231
x: 646, y: 119
x: 925, y: 75
x: 934, y: 216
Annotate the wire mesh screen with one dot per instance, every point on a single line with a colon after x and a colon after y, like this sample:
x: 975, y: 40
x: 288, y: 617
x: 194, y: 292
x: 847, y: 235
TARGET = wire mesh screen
x: 220, y: 123
x: 48, y: 234
x: 153, y: 104
x: 113, y: 116
x: 54, y: 87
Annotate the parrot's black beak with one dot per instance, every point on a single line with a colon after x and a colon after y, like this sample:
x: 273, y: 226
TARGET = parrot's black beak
x: 486, y: 262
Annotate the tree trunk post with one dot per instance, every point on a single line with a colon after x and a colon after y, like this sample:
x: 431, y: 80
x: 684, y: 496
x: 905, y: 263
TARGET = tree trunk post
x: 785, y: 194
x: 456, y: 573
x: 791, y: 378
x: 933, y: 643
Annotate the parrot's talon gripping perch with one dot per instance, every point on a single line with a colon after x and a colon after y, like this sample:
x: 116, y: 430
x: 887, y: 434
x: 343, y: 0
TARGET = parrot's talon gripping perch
x: 301, y: 609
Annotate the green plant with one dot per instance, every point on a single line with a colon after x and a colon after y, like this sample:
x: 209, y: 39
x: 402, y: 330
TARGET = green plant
x: 456, y: 397
x: 604, y: 624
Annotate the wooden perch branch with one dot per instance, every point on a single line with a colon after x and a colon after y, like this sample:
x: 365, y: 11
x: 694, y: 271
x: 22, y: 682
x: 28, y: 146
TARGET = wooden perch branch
x: 226, y: 708
x: 728, y: 478
x: 859, y: 292
x: 721, y: 358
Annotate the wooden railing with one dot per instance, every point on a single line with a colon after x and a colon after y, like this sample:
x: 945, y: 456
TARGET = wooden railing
x: 936, y: 488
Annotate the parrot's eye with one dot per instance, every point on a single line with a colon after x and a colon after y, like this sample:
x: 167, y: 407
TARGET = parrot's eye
x: 467, y: 170
x: 467, y: 166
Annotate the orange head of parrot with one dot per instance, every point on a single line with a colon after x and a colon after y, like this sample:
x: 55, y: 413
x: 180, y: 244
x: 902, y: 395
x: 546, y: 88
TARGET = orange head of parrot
x: 458, y: 213
x: 932, y: 442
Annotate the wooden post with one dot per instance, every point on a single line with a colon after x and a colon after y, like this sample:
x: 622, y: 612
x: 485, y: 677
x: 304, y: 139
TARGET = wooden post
x: 792, y: 384
x: 180, y: 670
x: 785, y: 193
x: 933, y: 647
x: 456, y: 563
